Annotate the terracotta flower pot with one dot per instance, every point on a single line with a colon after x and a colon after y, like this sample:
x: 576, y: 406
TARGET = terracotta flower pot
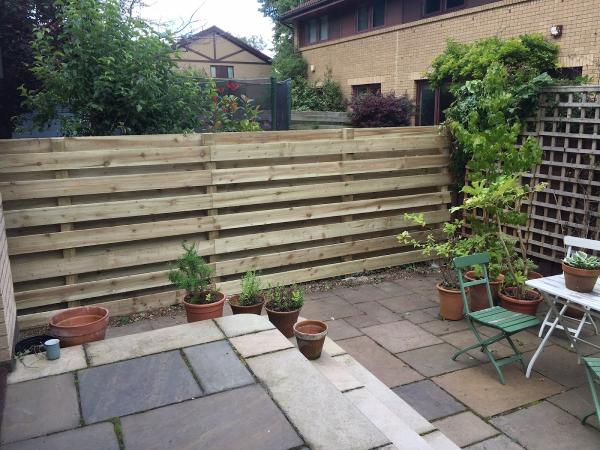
x: 451, y: 303
x: 283, y: 320
x: 310, y: 335
x: 239, y: 309
x: 525, y: 306
x: 196, y: 312
x: 534, y: 275
x: 580, y: 280
x: 478, y: 298
x: 76, y: 326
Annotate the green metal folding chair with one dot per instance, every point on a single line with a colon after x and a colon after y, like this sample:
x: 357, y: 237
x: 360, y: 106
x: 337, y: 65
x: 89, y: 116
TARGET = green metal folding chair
x: 501, y: 319
x: 592, y: 370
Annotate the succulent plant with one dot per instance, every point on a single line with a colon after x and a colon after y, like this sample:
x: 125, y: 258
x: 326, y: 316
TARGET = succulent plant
x: 581, y: 260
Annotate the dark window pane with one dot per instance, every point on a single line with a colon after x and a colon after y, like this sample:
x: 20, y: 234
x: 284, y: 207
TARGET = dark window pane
x: 426, y: 105
x: 454, y: 3
x: 324, y: 29
x: 362, y: 18
x: 360, y: 89
x: 446, y: 99
x: 221, y: 71
x: 378, y: 13
x: 432, y: 6
x: 312, y: 31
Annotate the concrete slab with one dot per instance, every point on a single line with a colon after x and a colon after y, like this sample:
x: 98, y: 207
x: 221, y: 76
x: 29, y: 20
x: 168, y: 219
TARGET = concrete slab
x: 560, y: 430
x: 439, y: 441
x: 559, y: 365
x: 440, y: 327
x: 329, y: 308
x: 407, y: 302
x: 417, y: 317
x: 124, y: 330
x: 577, y: 402
x: 378, y: 312
x: 465, y: 428
x: 362, y: 320
x: 435, y: 360
x: 240, y: 324
x: 336, y: 373
x: 31, y: 367
x: 244, y: 418
x: 400, y: 336
x: 501, y: 442
x: 340, y: 329
x: 150, y: 342
x: 361, y: 294
x: 38, y: 407
x: 385, y: 366
x: 331, y: 348
x: 94, y: 437
x: 135, y: 385
x: 335, y: 423
x: 478, y: 388
x: 259, y: 343
x: 218, y: 367
x: 429, y: 399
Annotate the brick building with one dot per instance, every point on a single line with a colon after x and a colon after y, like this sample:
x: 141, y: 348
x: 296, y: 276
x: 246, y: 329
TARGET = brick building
x: 389, y: 44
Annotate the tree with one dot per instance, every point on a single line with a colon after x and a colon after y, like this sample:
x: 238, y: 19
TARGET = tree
x: 255, y: 41
x: 114, y: 75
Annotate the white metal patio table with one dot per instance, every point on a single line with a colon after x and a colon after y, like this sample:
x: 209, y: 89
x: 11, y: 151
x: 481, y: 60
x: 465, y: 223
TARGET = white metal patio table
x: 555, y: 293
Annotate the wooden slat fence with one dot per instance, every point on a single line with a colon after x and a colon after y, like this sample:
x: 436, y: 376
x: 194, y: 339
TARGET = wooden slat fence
x: 100, y: 219
x: 308, y: 120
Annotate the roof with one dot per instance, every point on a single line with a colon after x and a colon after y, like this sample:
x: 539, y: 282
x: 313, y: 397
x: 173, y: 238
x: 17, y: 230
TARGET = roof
x: 224, y: 34
x: 303, y: 7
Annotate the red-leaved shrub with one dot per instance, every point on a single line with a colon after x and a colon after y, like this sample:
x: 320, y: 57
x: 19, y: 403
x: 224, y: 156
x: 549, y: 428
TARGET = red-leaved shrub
x: 378, y: 110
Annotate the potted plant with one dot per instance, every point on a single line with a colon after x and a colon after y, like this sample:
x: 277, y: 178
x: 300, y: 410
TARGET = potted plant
x: 581, y: 271
x: 283, y: 307
x: 251, y: 299
x: 192, y: 274
x: 310, y: 335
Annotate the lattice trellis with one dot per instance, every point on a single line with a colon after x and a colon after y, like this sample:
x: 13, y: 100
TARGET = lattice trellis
x: 567, y: 127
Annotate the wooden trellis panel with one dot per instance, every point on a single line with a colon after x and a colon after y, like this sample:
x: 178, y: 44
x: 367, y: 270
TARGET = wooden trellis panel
x: 567, y: 127
x: 100, y: 219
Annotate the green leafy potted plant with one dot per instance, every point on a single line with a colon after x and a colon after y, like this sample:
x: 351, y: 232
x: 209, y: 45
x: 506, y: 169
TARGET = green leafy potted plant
x: 581, y: 271
x: 251, y: 299
x: 192, y: 274
x: 283, y: 307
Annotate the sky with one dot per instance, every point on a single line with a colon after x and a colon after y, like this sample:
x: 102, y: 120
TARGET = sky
x: 238, y: 17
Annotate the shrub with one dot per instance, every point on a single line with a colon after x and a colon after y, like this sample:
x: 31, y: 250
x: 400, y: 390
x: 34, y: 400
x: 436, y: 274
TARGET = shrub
x: 250, y: 294
x: 378, y: 110
x: 322, y: 95
x: 285, y: 298
x: 582, y: 260
x: 193, y: 274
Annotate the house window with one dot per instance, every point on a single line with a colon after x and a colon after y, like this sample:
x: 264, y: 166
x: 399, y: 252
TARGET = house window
x: 360, y: 89
x: 221, y: 71
x: 378, y: 13
x: 362, y: 18
x: 454, y: 3
x: 432, y: 103
x: 312, y: 31
x: 324, y: 29
x: 432, y: 6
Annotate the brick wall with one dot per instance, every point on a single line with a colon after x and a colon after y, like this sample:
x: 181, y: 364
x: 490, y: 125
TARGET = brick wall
x: 399, y: 55
x: 7, y: 299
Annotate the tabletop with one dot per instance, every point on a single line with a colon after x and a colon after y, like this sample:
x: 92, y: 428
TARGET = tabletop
x: 555, y: 285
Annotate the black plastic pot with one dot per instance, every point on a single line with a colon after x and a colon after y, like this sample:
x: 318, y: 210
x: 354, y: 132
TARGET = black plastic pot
x: 33, y: 344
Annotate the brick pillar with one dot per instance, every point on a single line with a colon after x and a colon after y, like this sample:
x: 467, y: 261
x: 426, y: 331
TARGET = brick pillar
x: 8, y: 315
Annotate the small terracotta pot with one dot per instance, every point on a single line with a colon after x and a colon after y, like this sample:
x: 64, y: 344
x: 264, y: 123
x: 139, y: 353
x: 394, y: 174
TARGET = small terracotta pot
x: 451, y: 303
x: 283, y: 320
x: 580, y: 280
x: 76, y: 326
x: 238, y: 309
x: 198, y: 312
x: 310, y: 335
x: 534, y: 275
x: 525, y: 306
x: 478, y: 298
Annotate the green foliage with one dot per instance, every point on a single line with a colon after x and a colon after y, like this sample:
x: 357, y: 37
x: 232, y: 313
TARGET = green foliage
x: 285, y: 298
x: 193, y: 274
x: 229, y: 111
x: 251, y: 290
x: 581, y: 260
x: 288, y: 63
x: 320, y: 95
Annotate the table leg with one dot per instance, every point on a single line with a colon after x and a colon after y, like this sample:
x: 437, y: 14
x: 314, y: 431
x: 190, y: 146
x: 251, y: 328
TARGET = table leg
x: 565, y: 326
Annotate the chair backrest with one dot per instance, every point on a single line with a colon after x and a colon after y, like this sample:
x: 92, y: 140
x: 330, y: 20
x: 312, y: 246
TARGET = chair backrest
x: 585, y: 244
x: 466, y: 262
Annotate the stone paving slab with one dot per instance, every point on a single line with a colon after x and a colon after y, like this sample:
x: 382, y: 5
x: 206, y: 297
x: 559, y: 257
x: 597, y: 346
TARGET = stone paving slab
x: 462, y: 339
x: 479, y: 388
x: 100, y: 436
x: 258, y: 343
x: 429, y: 399
x: 240, y: 324
x: 150, y: 342
x: 135, y: 385
x: 525, y: 341
x: 38, y: 407
x: 361, y: 294
x: 544, y: 426
x: 400, y: 336
x: 385, y: 366
x: 378, y: 312
x: 501, y: 442
x: 441, y: 327
x: 336, y: 373
x: 577, y: 402
x: 217, y: 366
x: 362, y: 320
x: 559, y: 365
x: 329, y: 308
x: 244, y: 418
x: 331, y: 348
x: 319, y: 411
x: 124, y: 330
x: 439, y: 441
x: 340, y: 329
x: 465, y: 428
x: 31, y: 367
x: 407, y: 302
x: 436, y: 360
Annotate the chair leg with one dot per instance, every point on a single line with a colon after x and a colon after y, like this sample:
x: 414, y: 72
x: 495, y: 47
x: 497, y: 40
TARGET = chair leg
x: 483, y: 343
x: 517, y: 352
x: 590, y: 377
x: 480, y: 344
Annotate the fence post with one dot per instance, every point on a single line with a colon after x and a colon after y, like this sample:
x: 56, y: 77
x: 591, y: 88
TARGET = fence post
x: 347, y: 134
x: 8, y: 317
x: 208, y: 139
x: 274, y: 104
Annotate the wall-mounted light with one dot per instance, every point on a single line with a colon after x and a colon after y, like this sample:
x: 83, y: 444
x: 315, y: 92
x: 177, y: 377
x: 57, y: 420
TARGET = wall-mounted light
x: 556, y: 31
x: 312, y: 68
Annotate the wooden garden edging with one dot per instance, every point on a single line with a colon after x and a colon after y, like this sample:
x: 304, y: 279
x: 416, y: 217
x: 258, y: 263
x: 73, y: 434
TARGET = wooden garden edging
x: 100, y: 219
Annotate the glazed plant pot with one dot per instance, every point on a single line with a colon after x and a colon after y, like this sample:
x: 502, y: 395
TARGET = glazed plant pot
x: 478, y: 298
x: 283, y: 320
x: 310, y: 335
x: 509, y: 301
x: 580, y: 280
x: 451, y: 303
x: 197, y: 312
x: 251, y: 309
x: 76, y: 326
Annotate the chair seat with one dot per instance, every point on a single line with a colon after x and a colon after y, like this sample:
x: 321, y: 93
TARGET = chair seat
x: 593, y: 364
x: 505, y: 320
